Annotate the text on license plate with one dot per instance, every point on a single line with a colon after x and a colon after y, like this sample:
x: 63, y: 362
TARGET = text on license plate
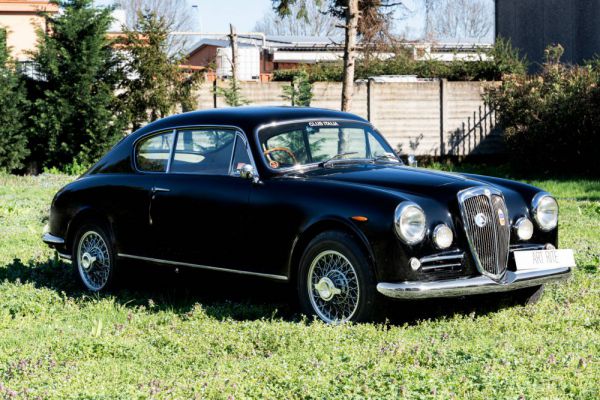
x: 544, y: 259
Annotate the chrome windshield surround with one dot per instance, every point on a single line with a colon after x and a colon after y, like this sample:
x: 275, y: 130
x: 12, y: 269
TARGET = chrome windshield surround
x: 494, y: 236
x: 300, y: 168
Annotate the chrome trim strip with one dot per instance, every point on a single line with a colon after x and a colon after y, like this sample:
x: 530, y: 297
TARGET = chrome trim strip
x: 527, y: 246
x: 471, y: 286
x: 172, y: 152
x: 183, y: 264
x: 63, y: 256
x: 49, y: 238
x: 178, y: 128
x: 429, y: 259
x: 440, y: 266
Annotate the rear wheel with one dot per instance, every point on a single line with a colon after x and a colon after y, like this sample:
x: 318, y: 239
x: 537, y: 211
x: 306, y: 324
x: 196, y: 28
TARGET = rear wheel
x: 93, y: 257
x: 335, y: 280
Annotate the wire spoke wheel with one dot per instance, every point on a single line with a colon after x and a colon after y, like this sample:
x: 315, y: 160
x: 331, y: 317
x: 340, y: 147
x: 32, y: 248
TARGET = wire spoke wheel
x: 93, y: 260
x: 333, y: 287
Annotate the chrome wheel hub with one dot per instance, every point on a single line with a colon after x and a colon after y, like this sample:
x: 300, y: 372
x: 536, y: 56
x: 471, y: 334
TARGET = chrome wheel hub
x: 93, y: 260
x: 333, y: 287
x: 326, y: 289
x: 87, y: 260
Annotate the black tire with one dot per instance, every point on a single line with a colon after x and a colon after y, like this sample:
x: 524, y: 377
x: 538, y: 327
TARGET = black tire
x: 530, y: 295
x: 359, y: 274
x: 100, y: 274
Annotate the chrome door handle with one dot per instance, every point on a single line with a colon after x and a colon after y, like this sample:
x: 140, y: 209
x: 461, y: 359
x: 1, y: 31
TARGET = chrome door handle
x: 159, y: 189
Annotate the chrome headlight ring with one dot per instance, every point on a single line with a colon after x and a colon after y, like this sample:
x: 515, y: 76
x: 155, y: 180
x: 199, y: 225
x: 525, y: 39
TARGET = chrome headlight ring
x: 544, y: 210
x: 410, y: 222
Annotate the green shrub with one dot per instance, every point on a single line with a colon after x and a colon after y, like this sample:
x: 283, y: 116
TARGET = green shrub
x: 13, y: 103
x: 503, y: 60
x: 551, y: 121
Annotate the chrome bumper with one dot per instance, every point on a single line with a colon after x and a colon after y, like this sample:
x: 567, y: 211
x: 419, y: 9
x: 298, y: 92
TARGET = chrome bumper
x: 475, y: 285
x: 56, y: 242
x: 52, y: 240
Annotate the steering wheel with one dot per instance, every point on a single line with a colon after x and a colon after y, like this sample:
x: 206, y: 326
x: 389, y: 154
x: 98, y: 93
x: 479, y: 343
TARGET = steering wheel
x: 284, y: 149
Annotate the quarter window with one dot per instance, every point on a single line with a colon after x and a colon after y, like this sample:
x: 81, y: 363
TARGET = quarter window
x: 203, y: 151
x: 240, y: 156
x: 153, y: 153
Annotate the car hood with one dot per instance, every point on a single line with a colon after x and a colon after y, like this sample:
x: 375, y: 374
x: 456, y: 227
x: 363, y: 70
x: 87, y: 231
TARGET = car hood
x: 398, y: 178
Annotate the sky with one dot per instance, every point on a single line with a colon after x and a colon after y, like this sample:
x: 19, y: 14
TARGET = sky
x: 216, y: 15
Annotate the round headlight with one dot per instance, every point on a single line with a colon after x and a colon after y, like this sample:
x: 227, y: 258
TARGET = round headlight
x: 409, y: 222
x: 443, y: 236
x: 524, y: 228
x: 545, y: 211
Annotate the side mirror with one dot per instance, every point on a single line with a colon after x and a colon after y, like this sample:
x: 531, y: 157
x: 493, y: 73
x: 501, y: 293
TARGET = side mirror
x: 247, y: 171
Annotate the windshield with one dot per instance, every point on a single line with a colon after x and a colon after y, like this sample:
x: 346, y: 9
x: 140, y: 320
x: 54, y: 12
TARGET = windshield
x: 322, y: 143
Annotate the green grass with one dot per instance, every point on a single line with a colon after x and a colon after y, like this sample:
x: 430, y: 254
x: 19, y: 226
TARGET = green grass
x: 177, y: 336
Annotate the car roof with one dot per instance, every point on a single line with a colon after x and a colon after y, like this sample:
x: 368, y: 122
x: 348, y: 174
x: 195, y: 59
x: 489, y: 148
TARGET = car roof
x: 247, y: 118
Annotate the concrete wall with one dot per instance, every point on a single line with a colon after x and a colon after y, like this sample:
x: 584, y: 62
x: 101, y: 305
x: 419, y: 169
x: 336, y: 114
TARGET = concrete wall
x: 423, y: 118
x: 534, y: 24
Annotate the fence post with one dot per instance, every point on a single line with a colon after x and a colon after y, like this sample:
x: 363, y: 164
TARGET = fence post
x: 215, y: 93
x: 443, y: 111
x: 369, y: 100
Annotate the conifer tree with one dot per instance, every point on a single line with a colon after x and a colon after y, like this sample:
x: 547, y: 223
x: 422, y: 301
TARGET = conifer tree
x: 13, y: 103
x: 74, y: 117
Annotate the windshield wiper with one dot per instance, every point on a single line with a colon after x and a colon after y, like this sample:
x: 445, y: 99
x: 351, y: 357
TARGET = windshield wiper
x: 386, y: 156
x: 336, y: 157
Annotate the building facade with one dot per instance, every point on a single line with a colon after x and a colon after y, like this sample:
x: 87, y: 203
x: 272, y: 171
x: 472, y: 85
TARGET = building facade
x: 21, y: 19
x: 532, y: 25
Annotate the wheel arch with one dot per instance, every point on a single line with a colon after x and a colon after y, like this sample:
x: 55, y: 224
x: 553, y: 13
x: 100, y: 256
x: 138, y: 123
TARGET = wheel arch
x: 314, y: 229
x: 83, y: 215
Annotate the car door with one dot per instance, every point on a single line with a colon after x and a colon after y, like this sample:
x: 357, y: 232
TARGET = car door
x: 198, y: 208
x: 128, y: 195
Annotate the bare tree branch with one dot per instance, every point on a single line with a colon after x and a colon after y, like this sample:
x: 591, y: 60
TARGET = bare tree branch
x: 314, y: 21
x: 459, y: 19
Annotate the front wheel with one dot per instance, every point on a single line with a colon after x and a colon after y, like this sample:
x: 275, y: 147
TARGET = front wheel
x: 93, y: 257
x: 335, y: 280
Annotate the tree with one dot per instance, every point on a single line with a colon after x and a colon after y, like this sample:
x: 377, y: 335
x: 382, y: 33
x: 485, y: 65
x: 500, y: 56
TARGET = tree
x: 317, y: 22
x: 299, y: 93
x: 74, y: 115
x: 153, y: 83
x: 459, y: 19
x: 175, y: 14
x: 359, y: 16
x: 13, y: 140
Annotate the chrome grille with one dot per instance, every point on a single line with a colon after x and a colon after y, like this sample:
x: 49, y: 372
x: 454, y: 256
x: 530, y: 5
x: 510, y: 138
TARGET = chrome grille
x: 487, y: 226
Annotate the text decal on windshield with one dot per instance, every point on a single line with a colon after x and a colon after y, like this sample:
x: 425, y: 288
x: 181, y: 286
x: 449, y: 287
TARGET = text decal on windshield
x: 323, y: 123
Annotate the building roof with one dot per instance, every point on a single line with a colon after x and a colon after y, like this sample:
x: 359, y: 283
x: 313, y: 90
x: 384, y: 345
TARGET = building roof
x: 271, y: 42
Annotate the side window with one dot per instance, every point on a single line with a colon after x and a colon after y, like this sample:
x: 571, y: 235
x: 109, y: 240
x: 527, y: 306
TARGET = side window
x: 152, y: 154
x: 203, y: 151
x: 240, y: 156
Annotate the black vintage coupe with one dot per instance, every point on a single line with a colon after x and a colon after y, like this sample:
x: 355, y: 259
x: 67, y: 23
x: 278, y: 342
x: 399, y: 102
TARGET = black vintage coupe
x: 313, y: 197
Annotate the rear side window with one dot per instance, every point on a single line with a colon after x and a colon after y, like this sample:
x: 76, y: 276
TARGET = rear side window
x: 203, y: 151
x: 153, y: 153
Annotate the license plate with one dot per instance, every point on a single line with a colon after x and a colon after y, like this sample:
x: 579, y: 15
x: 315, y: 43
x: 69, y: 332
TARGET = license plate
x: 544, y: 259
